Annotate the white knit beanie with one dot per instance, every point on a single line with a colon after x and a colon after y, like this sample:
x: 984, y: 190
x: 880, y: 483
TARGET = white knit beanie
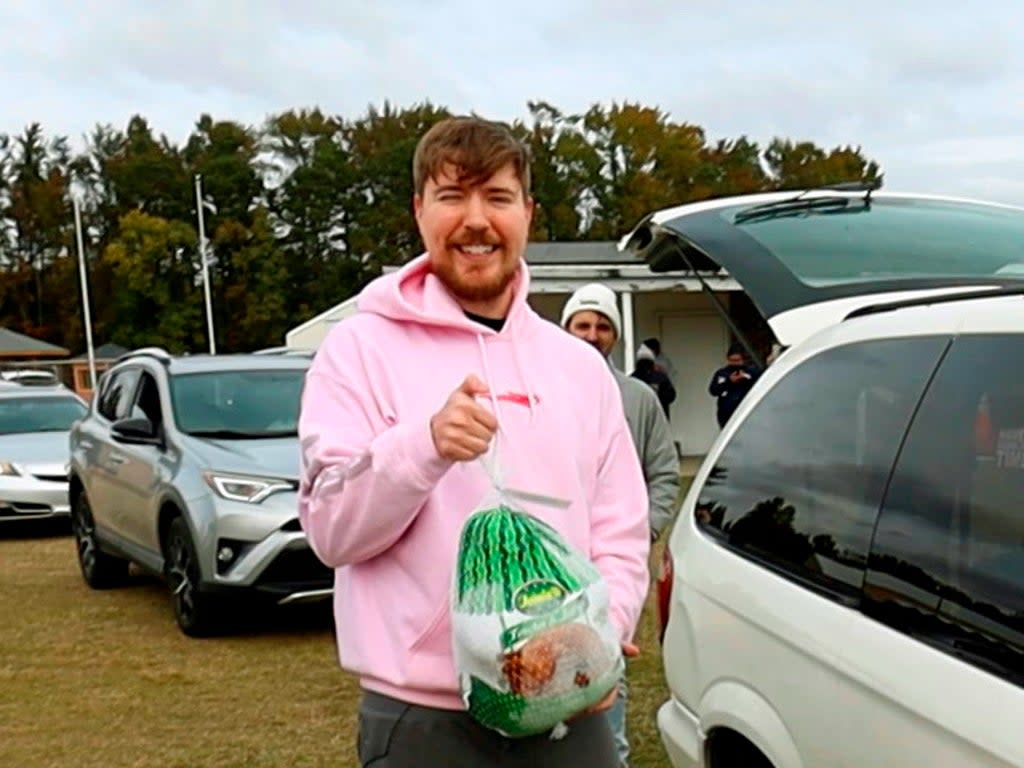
x: 595, y: 298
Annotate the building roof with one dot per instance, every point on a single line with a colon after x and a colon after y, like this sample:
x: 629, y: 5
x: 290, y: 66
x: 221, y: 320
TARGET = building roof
x: 108, y: 351
x: 14, y: 345
x: 598, y: 252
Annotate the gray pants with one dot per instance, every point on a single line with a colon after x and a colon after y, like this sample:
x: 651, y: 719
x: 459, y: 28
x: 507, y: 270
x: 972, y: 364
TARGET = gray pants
x: 394, y: 734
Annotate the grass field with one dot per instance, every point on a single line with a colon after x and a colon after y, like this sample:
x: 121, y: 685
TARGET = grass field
x: 105, y: 679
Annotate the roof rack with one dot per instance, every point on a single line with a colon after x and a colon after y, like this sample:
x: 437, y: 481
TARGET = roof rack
x: 30, y: 378
x: 288, y: 351
x: 158, y: 353
x: 944, y: 298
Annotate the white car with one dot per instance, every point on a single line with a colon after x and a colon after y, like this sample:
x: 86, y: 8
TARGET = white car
x: 36, y: 414
x: 844, y: 585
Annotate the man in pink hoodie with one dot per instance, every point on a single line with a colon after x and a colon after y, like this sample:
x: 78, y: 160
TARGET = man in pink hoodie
x: 445, y: 358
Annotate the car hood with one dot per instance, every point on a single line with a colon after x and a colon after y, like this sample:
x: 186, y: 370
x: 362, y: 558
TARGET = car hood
x: 807, y: 259
x: 35, y: 448
x: 268, y: 457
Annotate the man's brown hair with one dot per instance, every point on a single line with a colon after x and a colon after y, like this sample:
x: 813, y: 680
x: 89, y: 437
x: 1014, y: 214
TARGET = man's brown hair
x: 478, y: 148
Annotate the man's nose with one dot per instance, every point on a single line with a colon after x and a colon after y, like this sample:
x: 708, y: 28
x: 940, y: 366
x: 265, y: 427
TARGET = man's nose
x: 476, y: 212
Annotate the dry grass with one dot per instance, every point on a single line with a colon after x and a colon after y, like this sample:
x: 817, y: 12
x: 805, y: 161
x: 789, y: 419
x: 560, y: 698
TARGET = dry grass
x: 91, y: 679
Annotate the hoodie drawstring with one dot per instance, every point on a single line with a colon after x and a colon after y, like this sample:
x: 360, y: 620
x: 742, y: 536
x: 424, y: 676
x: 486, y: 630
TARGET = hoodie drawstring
x: 489, y: 460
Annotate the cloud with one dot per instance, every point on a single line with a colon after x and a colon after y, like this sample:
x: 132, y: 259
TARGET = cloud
x: 936, y: 107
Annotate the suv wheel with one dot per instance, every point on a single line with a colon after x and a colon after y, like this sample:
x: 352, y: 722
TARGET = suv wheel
x: 198, y: 613
x: 99, y: 570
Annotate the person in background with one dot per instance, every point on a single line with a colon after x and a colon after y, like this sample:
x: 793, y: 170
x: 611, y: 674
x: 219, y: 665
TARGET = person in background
x: 647, y: 371
x: 592, y: 314
x: 661, y: 362
x: 444, y: 359
x: 731, y: 383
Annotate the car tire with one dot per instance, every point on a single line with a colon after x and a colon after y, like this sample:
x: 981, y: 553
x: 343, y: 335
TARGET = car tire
x: 99, y: 569
x: 197, y: 612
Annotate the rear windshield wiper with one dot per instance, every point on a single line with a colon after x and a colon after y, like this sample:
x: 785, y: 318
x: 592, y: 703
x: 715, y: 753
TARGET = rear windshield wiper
x: 799, y: 205
x: 237, y: 434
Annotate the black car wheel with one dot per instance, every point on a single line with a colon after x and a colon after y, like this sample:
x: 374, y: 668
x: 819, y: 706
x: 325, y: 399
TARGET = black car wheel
x: 197, y: 612
x: 99, y: 569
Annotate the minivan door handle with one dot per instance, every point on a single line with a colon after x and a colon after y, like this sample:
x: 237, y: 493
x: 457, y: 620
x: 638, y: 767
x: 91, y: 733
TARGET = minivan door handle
x: 117, y: 458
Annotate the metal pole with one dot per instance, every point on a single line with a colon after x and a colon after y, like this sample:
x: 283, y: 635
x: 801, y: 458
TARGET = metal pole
x: 628, y: 332
x: 85, y: 294
x: 205, y: 261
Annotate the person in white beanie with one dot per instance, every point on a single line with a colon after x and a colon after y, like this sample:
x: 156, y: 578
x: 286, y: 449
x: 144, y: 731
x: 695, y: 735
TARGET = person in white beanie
x: 592, y: 314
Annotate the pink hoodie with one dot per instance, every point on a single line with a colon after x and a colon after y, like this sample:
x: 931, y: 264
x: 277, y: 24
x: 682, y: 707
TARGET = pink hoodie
x: 379, y: 505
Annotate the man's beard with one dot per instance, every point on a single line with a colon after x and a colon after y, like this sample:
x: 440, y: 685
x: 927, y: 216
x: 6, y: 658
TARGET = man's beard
x: 475, y: 289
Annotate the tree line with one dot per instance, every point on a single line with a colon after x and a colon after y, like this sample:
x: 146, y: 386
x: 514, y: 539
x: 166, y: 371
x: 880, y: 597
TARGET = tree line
x: 302, y: 211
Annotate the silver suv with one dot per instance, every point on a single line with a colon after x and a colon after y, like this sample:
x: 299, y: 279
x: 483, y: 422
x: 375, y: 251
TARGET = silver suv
x: 188, y: 467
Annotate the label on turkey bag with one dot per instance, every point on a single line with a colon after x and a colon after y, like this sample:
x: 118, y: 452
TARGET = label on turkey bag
x: 532, y: 640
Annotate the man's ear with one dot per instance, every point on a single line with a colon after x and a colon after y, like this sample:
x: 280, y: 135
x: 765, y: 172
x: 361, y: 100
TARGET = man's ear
x: 417, y: 205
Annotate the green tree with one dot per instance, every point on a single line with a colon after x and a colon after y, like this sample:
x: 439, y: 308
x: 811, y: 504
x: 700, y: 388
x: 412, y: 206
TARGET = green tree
x: 802, y: 165
x: 225, y: 155
x: 36, y: 214
x: 380, y: 229
x: 309, y: 178
x: 253, y: 302
x: 647, y: 162
x: 563, y: 164
x: 154, y: 264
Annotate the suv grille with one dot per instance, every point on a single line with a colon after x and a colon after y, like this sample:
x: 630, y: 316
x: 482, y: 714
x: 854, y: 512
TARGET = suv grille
x: 295, y: 570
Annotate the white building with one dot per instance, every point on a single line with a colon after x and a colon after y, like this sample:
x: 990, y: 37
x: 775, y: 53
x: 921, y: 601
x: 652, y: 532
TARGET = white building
x: 685, y: 311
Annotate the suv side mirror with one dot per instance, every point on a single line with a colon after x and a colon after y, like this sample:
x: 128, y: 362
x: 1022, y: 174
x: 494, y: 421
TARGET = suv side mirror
x: 135, y: 431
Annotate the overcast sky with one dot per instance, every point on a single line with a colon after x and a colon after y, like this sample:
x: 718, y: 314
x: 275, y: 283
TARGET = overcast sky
x: 934, y: 91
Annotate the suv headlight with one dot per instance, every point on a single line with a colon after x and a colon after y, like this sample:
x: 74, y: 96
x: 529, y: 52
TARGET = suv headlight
x: 246, y: 488
x: 8, y: 469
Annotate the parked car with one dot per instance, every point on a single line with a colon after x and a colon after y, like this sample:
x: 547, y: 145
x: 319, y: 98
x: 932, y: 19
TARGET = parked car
x: 36, y: 414
x: 188, y: 466
x: 844, y: 585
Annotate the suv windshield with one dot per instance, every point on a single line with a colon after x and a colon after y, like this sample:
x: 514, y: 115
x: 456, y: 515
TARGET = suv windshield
x: 887, y: 239
x: 39, y: 414
x: 263, y: 403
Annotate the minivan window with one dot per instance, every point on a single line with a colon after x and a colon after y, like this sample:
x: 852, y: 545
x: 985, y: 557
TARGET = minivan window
x: 889, y: 238
x: 800, y: 483
x: 947, y: 562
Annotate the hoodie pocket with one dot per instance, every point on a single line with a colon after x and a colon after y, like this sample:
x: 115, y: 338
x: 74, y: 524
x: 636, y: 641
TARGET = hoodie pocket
x: 434, y: 637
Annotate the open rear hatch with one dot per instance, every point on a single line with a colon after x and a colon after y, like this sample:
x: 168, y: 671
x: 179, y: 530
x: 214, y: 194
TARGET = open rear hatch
x: 808, y: 259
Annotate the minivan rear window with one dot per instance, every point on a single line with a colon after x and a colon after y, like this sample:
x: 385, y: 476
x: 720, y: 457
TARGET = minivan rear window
x: 888, y: 238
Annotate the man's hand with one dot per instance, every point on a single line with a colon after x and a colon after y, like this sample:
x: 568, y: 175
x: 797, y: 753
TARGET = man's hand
x: 462, y: 429
x: 630, y: 651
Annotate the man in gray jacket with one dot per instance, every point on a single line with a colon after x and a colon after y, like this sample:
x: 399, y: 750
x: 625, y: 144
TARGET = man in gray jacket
x: 592, y: 315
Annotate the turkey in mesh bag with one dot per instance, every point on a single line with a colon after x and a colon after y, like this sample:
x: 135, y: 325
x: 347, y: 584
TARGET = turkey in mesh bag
x: 532, y: 639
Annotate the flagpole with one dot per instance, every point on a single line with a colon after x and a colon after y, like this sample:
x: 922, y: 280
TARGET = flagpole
x: 205, y: 261
x: 85, y: 293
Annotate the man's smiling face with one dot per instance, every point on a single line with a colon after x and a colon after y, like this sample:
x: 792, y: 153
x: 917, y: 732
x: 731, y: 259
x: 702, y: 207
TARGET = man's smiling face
x: 476, y: 235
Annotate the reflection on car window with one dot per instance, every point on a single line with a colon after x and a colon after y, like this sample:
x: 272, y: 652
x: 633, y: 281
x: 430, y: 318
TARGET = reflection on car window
x: 116, y: 397
x: 801, y: 480
x: 39, y: 414
x: 947, y: 563
x: 250, y: 403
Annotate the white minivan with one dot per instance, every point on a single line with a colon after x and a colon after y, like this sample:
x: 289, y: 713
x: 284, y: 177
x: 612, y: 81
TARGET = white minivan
x: 844, y: 585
